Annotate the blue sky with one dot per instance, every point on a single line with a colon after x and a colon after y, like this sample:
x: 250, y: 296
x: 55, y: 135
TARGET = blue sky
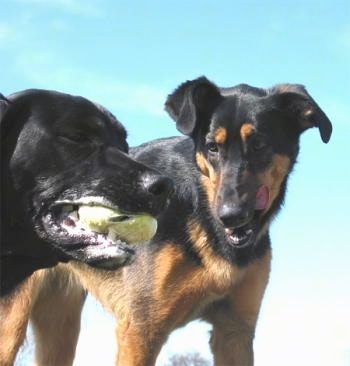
x: 128, y: 55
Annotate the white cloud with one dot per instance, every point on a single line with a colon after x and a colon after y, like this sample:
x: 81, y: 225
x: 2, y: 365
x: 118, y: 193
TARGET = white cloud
x: 42, y: 70
x: 122, y: 95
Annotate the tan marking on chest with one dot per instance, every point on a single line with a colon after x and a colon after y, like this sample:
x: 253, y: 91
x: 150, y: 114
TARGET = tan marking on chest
x: 183, y: 287
x: 220, y: 274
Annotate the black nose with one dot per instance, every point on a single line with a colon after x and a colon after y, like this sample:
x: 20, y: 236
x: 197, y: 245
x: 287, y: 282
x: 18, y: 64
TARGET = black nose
x: 234, y: 216
x: 159, y: 186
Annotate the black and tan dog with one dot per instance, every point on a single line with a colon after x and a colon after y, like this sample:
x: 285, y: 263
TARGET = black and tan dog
x: 210, y: 258
x: 58, y: 153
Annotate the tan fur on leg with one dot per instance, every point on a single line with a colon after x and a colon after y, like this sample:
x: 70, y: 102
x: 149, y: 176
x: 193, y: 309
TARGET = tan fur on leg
x: 56, y: 316
x: 234, y: 318
x: 14, y: 315
x: 133, y: 349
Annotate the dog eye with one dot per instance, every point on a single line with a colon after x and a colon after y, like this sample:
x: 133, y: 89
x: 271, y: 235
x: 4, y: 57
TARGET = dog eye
x: 212, y: 147
x: 76, y: 137
x: 258, y: 144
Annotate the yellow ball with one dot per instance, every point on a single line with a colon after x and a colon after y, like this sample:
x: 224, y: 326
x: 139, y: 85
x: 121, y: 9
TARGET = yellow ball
x: 137, y: 229
x: 131, y: 228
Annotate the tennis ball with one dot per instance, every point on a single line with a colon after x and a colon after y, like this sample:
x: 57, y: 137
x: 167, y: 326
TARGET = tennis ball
x: 136, y: 229
x: 96, y: 218
x: 131, y: 228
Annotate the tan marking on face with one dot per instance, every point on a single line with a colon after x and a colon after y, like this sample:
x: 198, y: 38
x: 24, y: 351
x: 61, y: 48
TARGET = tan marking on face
x: 220, y: 135
x: 203, y: 164
x: 247, y: 129
x: 210, y: 178
x: 274, y: 176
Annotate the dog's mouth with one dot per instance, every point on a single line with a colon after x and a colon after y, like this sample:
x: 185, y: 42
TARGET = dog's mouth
x: 245, y: 235
x: 241, y: 237
x: 95, y: 233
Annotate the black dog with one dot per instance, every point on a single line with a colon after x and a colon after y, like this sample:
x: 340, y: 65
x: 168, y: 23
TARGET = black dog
x: 210, y: 258
x: 57, y: 152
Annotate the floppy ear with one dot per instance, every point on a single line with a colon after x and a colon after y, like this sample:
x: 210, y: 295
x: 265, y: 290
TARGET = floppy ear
x: 190, y: 102
x: 304, y: 109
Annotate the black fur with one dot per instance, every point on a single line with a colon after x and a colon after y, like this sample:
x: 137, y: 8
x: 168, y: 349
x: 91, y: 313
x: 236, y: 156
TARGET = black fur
x: 199, y: 108
x: 57, y: 147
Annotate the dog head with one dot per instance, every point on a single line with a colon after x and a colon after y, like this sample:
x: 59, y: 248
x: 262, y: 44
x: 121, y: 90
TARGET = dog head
x: 246, y: 142
x: 59, y: 153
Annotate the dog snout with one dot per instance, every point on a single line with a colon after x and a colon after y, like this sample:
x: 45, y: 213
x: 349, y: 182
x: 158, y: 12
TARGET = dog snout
x: 233, y: 215
x: 159, y: 186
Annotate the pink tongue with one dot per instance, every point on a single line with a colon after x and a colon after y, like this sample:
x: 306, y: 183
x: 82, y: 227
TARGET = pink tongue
x: 262, y: 198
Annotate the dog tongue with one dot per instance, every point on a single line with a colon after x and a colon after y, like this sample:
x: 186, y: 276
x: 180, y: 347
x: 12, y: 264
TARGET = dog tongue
x: 262, y: 198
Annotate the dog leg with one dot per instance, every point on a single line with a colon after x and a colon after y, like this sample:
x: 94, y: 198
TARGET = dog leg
x: 137, y: 346
x: 234, y: 318
x: 14, y: 316
x: 55, y: 318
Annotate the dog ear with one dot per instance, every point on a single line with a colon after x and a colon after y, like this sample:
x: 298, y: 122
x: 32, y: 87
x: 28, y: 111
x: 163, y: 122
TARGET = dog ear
x: 191, y: 102
x: 4, y: 103
x: 304, y: 109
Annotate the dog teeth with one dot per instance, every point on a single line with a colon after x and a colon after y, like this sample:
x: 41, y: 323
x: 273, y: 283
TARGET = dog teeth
x: 228, y: 231
x: 74, y: 215
x: 236, y: 236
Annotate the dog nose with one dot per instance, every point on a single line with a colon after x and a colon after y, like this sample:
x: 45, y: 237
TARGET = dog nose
x: 159, y: 186
x: 234, y: 216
